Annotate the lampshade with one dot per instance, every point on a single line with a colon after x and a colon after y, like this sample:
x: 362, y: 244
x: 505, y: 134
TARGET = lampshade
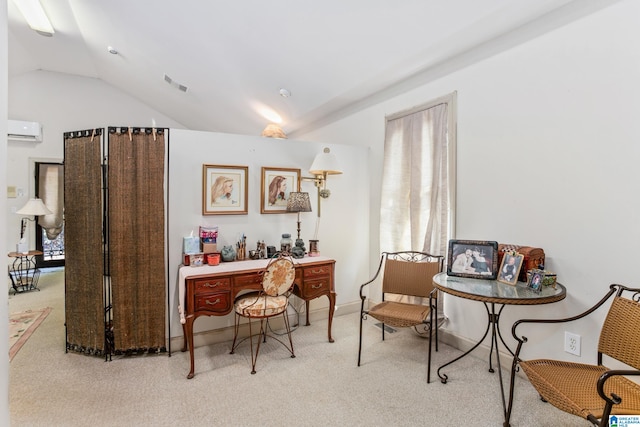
x: 298, y: 202
x: 274, y: 131
x: 325, y: 162
x: 34, y: 207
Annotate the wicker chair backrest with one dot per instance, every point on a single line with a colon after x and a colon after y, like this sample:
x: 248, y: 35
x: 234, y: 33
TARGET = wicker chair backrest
x: 409, y: 277
x: 620, y: 335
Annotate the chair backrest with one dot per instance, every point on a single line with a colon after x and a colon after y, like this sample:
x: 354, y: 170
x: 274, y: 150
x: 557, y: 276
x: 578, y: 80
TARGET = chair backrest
x: 620, y: 334
x: 278, y: 277
x: 409, y: 277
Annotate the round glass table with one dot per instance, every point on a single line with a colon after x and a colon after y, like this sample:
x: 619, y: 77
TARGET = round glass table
x: 492, y: 293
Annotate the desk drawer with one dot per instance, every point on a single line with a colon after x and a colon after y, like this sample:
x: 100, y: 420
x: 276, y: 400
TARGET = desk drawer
x: 248, y: 281
x: 212, y: 284
x: 216, y: 302
x: 315, y: 287
x: 317, y: 271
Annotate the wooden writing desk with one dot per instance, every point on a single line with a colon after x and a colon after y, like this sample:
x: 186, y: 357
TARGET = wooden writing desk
x: 211, y: 290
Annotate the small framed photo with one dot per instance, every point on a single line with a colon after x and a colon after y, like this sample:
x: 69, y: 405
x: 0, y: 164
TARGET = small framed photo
x: 275, y: 186
x: 510, y: 268
x: 224, y: 190
x: 535, y: 280
x: 473, y: 258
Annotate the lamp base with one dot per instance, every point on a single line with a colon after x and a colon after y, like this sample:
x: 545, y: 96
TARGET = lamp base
x: 22, y: 248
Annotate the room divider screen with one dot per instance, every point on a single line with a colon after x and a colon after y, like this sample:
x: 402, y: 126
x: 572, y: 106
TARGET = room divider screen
x: 115, y: 281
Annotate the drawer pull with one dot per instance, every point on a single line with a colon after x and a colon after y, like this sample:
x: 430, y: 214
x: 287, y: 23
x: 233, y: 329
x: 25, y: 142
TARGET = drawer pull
x: 212, y: 285
x: 318, y: 286
x: 217, y: 301
x: 317, y: 271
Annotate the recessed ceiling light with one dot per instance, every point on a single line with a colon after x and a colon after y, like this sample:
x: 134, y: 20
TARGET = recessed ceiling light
x: 112, y: 50
x: 285, y: 93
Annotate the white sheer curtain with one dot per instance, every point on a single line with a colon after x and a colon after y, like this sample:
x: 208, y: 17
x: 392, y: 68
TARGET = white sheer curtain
x: 51, y: 191
x: 418, y: 180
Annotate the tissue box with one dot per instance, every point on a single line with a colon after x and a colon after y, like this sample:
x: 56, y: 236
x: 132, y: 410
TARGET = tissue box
x: 191, y: 245
x: 22, y: 248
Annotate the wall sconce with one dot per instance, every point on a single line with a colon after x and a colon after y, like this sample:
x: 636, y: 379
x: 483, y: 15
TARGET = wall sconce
x: 323, y: 165
x: 33, y: 207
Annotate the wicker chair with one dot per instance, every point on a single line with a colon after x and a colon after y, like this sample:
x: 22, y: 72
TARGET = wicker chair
x: 271, y: 301
x: 407, y: 273
x: 592, y: 392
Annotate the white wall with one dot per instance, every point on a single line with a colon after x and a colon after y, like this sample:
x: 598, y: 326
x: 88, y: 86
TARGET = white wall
x: 4, y: 308
x: 547, y: 156
x: 62, y: 103
x: 344, y: 221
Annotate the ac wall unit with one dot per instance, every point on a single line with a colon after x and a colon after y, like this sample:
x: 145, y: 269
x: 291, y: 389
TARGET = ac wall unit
x: 18, y: 130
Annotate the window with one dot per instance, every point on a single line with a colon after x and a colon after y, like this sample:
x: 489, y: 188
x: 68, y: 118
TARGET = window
x: 418, y: 181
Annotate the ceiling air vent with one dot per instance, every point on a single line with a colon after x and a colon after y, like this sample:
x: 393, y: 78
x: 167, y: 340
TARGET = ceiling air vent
x: 175, y: 84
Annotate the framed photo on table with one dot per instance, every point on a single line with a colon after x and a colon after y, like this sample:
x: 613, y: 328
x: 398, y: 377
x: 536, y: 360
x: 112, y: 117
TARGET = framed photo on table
x: 473, y: 258
x: 510, y: 268
x: 275, y: 186
x: 224, y: 190
x: 535, y: 280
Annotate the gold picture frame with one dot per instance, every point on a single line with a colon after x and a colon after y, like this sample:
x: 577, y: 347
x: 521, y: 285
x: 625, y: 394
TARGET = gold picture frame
x: 275, y: 186
x: 224, y: 190
x: 510, y: 268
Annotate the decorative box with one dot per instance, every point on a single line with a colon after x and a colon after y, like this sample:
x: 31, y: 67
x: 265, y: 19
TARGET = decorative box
x: 533, y: 257
x: 196, y: 260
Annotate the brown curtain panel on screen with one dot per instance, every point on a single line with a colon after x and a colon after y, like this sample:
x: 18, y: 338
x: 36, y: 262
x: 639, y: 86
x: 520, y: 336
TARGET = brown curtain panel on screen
x: 84, y: 298
x: 136, y: 239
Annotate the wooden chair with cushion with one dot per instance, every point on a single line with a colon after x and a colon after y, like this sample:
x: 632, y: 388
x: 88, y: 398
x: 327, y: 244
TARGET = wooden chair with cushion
x: 273, y: 300
x: 410, y: 274
x: 589, y: 391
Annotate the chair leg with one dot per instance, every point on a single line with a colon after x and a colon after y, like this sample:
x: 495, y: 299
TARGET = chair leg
x: 236, y: 327
x: 288, y: 327
x: 254, y: 358
x: 360, y: 339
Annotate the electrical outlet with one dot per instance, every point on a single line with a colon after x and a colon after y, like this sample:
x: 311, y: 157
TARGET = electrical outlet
x: 572, y: 343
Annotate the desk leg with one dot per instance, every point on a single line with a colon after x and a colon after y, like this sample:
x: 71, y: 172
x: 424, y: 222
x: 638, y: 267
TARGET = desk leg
x: 332, y: 309
x: 187, y: 329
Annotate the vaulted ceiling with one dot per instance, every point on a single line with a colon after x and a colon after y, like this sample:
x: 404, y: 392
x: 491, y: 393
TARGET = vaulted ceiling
x: 235, y: 56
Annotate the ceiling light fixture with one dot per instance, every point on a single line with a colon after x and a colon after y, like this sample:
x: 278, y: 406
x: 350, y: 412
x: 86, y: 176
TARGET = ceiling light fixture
x: 284, y: 93
x: 36, y: 17
x: 274, y: 131
x: 112, y: 50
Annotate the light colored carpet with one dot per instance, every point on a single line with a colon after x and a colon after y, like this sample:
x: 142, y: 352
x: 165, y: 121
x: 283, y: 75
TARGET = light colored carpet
x: 322, y: 386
